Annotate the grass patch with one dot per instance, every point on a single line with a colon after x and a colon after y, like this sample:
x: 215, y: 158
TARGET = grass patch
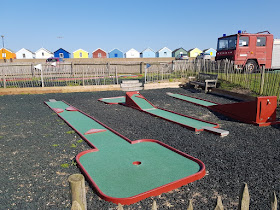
x: 55, y: 145
x: 73, y: 145
x: 70, y: 132
x: 65, y: 165
x: 80, y: 141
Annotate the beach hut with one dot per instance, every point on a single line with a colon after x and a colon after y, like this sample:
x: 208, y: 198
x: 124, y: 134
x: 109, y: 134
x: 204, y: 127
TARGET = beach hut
x: 193, y: 53
x: 115, y: 53
x: 80, y: 53
x: 211, y: 51
x: 132, y: 53
x: 61, y: 53
x: 99, y: 53
x: 42, y: 53
x: 25, y: 54
x: 164, y: 53
x: 179, y: 51
x: 148, y: 53
x: 7, y: 54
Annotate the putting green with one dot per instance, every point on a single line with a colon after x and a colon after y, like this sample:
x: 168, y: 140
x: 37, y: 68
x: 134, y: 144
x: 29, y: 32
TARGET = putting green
x: 122, y: 169
x: 146, y: 106
x: 113, y: 100
x: 191, y: 99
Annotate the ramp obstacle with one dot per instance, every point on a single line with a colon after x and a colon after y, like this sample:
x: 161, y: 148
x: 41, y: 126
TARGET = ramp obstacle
x: 125, y: 171
x: 261, y: 111
x: 137, y: 101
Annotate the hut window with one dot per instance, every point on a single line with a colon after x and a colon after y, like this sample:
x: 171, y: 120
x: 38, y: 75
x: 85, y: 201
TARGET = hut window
x: 116, y: 55
x: 43, y: 53
x: 81, y: 54
x: 61, y: 55
x: 99, y: 55
x: 165, y: 53
x: 23, y: 55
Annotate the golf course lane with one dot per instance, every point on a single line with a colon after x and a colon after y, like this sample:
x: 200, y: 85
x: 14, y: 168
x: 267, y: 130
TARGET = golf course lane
x: 114, y: 100
x: 146, y: 106
x: 123, y: 169
x: 180, y: 119
x: 116, y: 176
x: 191, y: 99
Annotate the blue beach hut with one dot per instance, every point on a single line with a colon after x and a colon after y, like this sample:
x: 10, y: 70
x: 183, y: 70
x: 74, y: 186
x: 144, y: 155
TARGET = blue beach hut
x: 61, y: 53
x: 164, y: 52
x: 115, y: 53
x: 148, y: 53
x: 211, y: 51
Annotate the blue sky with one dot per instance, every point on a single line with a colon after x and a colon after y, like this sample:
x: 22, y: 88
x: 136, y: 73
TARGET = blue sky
x: 125, y: 24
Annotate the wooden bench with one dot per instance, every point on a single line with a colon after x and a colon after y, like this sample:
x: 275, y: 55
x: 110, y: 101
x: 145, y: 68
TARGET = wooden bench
x: 205, y: 80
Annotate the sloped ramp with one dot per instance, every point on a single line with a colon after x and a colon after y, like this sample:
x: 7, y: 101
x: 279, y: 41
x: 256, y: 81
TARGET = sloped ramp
x: 137, y: 101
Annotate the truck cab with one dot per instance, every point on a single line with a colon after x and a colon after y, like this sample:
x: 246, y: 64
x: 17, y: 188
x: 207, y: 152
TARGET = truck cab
x: 253, y: 50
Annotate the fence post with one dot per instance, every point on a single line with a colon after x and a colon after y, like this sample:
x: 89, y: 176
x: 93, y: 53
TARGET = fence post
x: 72, y: 67
x: 219, y: 205
x: 244, y: 198
x: 273, y: 201
x: 83, y: 76
x: 154, y: 206
x: 116, y: 74
x: 42, y: 77
x: 77, y: 185
x: 4, y: 78
x: 190, y: 206
x: 262, y: 80
x: 141, y: 67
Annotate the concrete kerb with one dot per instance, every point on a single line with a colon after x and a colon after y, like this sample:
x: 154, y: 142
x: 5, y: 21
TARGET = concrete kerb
x: 162, y: 85
x: 40, y: 90
x: 71, y: 89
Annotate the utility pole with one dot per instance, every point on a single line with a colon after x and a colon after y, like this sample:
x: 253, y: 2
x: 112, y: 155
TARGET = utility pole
x: 3, y: 51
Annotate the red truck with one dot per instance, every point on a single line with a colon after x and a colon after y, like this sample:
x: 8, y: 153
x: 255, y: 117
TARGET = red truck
x: 253, y: 50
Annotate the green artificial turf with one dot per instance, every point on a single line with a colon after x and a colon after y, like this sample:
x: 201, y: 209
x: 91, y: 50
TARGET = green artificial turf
x: 120, y: 99
x: 112, y: 168
x: 146, y: 106
x: 193, y: 100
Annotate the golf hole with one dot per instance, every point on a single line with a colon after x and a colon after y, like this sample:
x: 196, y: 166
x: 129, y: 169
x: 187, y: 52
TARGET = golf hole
x: 136, y: 163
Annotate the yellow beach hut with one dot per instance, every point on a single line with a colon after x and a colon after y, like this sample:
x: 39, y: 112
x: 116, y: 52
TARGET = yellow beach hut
x: 193, y: 53
x: 80, y: 53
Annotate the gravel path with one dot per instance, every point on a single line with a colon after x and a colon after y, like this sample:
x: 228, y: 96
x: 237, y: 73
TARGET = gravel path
x: 37, y: 151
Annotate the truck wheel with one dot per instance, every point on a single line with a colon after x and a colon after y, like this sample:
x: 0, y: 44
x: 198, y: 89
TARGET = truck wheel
x: 251, y: 66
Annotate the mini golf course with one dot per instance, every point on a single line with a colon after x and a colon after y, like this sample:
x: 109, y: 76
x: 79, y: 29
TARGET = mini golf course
x: 137, y: 101
x: 124, y: 171
x: 261, y: 111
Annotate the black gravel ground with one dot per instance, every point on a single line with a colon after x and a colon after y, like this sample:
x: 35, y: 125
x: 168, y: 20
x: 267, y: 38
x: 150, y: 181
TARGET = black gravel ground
x: 36, y: 147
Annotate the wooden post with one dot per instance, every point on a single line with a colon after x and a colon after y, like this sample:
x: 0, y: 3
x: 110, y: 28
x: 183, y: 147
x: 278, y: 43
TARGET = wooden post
x: 116, y: 74
x: 219, y: 205
x: 244, y: 198
x: 83, y: 76
x: 76, y: 206
x: 42, y: 77
x: 4, y: 78
x: 119, y: 207
x: 190, y: 206
x: 78, y: 192
x: 262, y: 80
x: 273, y: 201
x: 142, y: 66
x: 154, y: 206
x: 72, y: 68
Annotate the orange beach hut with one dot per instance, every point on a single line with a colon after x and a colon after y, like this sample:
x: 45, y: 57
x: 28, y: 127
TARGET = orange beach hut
x: 7, y: 54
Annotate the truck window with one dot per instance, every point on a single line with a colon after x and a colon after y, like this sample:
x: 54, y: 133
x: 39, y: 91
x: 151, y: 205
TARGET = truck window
x: 243, y: 41
x: 261, y: 41
x: 227, y: 43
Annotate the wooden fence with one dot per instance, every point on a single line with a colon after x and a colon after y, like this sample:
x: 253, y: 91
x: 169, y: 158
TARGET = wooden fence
x: 78, y: 195
x: 261, y: 82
